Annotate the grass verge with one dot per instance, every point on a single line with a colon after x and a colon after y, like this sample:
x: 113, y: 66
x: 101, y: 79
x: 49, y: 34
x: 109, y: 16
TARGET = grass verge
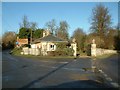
x: 104, y: 56
x: 17, y: 52
x: 46, y: 57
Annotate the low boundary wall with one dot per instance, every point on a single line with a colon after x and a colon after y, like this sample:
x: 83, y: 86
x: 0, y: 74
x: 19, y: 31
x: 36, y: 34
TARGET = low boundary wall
x: 100, y: 51
x: 31, y: 51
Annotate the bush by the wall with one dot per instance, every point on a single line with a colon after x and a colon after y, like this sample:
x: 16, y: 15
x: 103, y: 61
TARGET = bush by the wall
x: 16, y: 51
x: 88, y: 50
x: 69, y: 51
x: 56, y: 53
x: 63, y: 52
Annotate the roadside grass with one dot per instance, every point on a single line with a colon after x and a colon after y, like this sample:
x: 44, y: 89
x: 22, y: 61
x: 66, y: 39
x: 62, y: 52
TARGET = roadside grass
x: 104, y: 56
x: 46, y: 57
x: 17, y: 52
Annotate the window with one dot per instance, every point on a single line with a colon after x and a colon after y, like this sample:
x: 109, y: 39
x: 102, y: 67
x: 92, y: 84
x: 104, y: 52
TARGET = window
x: 52, y: 47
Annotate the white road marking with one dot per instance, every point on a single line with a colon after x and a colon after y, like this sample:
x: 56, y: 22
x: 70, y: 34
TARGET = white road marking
x: 110, y: 80
x: 54, y: 62
x: 63, y: 62
x: 115, y: 84
x: 74, y: 69
x: 47, y: 66
x: 101, y: 71
x: 105, y: 75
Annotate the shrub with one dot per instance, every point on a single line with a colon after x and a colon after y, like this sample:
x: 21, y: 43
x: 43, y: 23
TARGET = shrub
x: 16, y: 51
x: 63, y: 52
x: 63, y: 49
x: 88, y: 50
x: 69, y: 51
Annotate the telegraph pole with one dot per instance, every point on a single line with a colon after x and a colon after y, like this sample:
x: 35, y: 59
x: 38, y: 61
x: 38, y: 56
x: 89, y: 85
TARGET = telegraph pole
x: 31, y: 37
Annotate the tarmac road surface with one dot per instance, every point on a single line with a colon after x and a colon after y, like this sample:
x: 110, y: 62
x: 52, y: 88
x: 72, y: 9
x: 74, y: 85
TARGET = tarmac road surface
x: 21, y: 72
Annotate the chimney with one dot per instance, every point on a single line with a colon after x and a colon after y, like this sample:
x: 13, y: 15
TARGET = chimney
x: 46, y: 33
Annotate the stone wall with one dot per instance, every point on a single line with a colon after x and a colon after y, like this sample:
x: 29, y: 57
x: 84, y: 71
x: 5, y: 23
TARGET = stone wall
x: 30, y: 51
x: 93, y: 49
x: 100, y: 51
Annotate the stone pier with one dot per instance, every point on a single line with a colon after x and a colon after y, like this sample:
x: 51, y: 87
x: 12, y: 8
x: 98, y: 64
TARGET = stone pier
x: 93, y: 48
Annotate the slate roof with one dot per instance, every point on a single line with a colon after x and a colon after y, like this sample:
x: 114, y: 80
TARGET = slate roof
x: 49, y: 38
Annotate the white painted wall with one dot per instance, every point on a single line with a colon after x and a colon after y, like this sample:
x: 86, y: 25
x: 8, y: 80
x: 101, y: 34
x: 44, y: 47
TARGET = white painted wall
x: 93, y: 49
x: 100, y: 51
x: 33, y: 46
x: 74, y: 46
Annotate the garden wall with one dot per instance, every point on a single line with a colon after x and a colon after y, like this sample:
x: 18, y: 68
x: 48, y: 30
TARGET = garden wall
x: 31, y: 51
x: 100, y: 51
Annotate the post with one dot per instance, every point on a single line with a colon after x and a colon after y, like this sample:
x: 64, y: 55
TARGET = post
x: 93, y: 53
x: 31, y: 37
x: 74, y: 46
x: 93, y: 48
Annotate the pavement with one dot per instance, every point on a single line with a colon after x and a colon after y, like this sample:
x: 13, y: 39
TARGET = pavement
x: 21, y: 72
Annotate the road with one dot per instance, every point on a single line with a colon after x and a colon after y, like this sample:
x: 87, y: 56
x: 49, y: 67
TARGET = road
x: 110, y: 67
x: 21, y: 72
x: 0, y: 69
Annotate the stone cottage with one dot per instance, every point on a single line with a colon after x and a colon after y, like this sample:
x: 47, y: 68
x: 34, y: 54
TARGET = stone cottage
x: 47, y: 42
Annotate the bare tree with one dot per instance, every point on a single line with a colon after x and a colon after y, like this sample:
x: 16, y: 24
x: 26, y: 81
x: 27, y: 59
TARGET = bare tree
x: 27, y: 28
x: 33, y: 25
x: 51, y: 25
x: 79, y: 36
x: 101, y: 20
x: 25, y: 23
x: 63, y: 30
